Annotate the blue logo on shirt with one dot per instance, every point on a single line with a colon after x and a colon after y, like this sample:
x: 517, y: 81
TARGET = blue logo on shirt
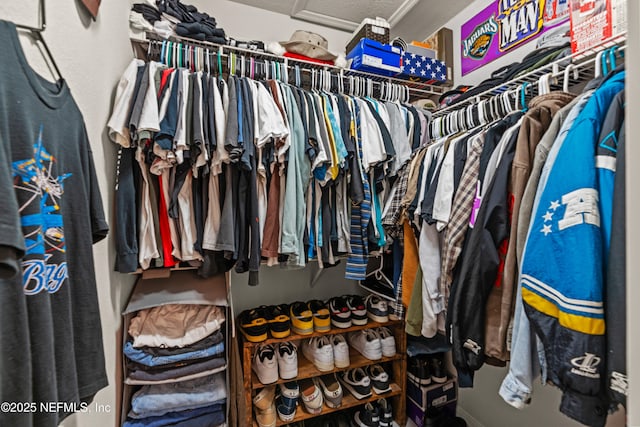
x: 39, y: 193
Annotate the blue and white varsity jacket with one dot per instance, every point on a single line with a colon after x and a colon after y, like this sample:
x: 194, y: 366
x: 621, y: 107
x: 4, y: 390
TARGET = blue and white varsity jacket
x: 563, y: 266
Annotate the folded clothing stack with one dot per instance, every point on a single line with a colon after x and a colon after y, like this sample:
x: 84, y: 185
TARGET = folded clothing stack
x: 170, y: 17
x: 190, y: 22
x: 177, y: 353
x: 200, y: 402
x: 175, y: 342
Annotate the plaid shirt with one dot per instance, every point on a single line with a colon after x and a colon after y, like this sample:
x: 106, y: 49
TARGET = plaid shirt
x: 455, y: 232
x: 392, y: 221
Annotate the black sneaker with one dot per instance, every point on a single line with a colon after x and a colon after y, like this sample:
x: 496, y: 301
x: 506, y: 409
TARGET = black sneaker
x: 278, y: 319
x: 253, y: 325
x: 438, y: 370
x: 340, y: 312
x: 367, y: 416
x: 419, y: 370
x: 357, y: 383
x: 385, y: 412
x: 379, y: 378
x: 358, y: 309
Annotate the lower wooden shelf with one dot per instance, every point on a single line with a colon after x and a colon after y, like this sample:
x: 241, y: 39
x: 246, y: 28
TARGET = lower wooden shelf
x: 306, y: 368
x: 348, y: 401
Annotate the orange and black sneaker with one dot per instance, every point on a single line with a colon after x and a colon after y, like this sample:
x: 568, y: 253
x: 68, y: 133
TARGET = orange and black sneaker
x: 321, y: 318
x: 253, y: 325
x: 278, y: 319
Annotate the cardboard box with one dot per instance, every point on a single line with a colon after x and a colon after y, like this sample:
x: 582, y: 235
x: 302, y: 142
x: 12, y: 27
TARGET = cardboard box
x: 594, y: 21
x: 374, y: 57
x: 422, y: 50
x: 181, y: 287
x: 418, y: 416
x: 433, y: 395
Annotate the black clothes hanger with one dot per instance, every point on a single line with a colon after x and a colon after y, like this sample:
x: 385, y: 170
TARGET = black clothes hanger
x: 36, y: 32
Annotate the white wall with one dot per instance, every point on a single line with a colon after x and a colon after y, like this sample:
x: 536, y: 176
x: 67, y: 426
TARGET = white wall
x: 632, y: 205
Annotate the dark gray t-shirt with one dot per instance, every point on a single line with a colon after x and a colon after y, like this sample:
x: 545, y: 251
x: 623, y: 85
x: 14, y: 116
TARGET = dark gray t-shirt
x: 50, y: 335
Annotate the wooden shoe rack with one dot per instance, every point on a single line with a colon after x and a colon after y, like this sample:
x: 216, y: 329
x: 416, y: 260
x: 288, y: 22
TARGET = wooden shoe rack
x: 306, y: 369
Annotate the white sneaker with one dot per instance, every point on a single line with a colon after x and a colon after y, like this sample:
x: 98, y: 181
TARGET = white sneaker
x: 265, y: 365
x: 331, y: 390
x: 388, y: 342
x: 319, y: 351
x: 311, y: 396
x: 367, y: 342
x: 340, y: 351
x: 287, y: 360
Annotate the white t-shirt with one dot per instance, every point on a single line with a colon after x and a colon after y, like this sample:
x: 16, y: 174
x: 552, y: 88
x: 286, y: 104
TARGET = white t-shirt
x: 117, y: 124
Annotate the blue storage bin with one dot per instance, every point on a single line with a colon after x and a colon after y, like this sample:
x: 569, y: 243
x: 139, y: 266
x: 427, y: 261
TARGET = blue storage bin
x: 374, y: 57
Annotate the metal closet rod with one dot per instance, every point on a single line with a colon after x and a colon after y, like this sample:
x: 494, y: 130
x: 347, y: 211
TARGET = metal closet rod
x: 580, y: 62
x: 512, y: 96
x: 416, y: 89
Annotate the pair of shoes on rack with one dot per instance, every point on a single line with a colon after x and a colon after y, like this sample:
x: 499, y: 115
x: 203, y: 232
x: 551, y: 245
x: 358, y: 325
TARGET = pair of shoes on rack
x: 327, y: 352
x: 287, y: 400
x: 425, y: 369
x: 360, y: 381
x: 318, y: 390
x: 271, y: 362
x: 374, y: 343
x: 374, y: 414
x: 257, y: 323
x: 347, y: 310
x: 331, y: 389
x: 309, y: 316
x: 264, y: 407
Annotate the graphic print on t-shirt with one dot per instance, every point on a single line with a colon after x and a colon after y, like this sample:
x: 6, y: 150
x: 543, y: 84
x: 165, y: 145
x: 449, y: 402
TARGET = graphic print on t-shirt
x: 39, y: 193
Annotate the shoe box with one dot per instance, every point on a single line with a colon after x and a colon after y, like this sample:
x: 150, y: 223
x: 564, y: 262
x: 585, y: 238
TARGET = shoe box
x: 418, y: 417
x: 431, y: 396
x: 374, y: 57
x: 160, y: 288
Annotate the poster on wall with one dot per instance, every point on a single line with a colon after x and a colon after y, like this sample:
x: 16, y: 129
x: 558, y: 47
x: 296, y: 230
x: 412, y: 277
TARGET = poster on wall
x: 505, y: 25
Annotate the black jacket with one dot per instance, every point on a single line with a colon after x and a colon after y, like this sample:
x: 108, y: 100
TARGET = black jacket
x: 612, y: 144
x: 478, y: 268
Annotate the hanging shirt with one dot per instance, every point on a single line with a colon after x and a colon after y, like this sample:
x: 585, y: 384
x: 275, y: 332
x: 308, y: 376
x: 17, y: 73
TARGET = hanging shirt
x: 297, y: 181
x: 444, y: 192
x: 373, y: 150
x: 50, y: 329
x: 399, y: 137
x: 118, y: 122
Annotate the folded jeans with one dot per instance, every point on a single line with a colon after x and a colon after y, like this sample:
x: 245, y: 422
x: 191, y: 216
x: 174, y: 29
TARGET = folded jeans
x: 147, y: 359
x: 157, y: 400
x: 169, y: 419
